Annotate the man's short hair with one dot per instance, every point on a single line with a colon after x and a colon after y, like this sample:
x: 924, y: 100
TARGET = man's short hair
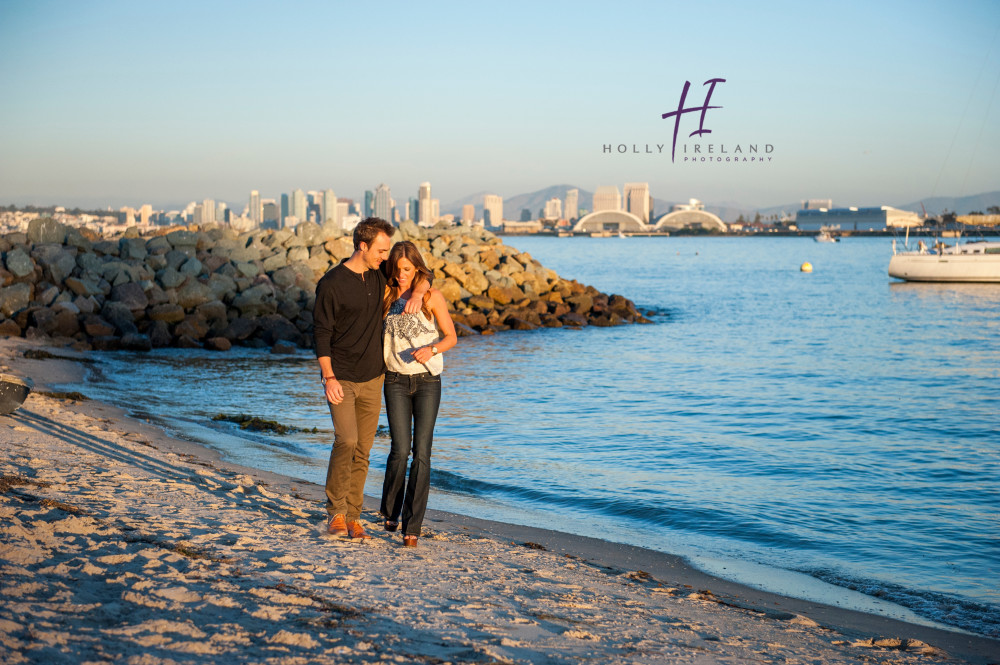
x: 367, y: 230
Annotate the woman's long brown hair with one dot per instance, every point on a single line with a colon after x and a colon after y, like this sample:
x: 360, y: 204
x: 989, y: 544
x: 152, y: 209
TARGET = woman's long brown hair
x: 405, y: 250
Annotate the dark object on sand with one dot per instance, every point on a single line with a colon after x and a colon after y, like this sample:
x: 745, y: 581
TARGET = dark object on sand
x: 13, y: 392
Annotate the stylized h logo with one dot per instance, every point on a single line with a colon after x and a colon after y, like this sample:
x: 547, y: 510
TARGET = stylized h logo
x: 681, y: 110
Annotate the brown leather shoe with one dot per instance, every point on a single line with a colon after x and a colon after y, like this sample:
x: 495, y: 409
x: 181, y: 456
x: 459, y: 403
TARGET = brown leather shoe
x: 337, y: 526
x: 409, y: 541
x: 356, y: 531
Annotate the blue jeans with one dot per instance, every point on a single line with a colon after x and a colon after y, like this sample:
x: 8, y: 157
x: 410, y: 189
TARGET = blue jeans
x: 411, y: 405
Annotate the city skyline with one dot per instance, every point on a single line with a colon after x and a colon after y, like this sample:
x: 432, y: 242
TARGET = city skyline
x: 109, y: 104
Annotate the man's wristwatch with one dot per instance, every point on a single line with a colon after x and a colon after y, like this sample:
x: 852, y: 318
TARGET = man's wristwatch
x: 434, y: 350
x: 327, y: 378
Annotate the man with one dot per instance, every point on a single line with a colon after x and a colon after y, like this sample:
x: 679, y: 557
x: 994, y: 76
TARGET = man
x: 347, y: 322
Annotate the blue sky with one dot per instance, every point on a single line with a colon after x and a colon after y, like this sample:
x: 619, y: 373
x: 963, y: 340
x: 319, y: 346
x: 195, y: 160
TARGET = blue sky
x: 123, y: 103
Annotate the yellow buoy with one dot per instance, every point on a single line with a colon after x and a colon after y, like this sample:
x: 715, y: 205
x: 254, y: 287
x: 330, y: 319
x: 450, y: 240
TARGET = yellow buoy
x: 806, y: 267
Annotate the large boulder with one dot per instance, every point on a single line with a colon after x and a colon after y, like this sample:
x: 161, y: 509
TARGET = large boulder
x: 19, y: 263
x: 46, y: 230
x: 16, y: 297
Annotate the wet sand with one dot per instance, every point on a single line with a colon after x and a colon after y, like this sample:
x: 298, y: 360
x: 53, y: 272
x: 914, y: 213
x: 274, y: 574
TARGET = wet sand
x: 120, y: 544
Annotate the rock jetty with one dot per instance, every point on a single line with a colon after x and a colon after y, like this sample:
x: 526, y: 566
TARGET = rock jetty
x: 212, y: 287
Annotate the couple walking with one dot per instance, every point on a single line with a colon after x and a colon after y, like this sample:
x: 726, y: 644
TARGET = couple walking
x: 374, y: 323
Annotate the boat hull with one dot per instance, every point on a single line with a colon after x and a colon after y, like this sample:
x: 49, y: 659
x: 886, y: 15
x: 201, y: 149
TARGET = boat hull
x: 946, y: 267
x: 13, y: 392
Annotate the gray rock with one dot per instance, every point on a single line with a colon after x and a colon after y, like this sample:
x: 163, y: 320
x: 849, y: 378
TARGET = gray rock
x: 106, y: 247
x: 222, y: 287
x: 167, y: 312
x: 193, y: 293
x: 131, y: 295
x: 57, y: 263
x: 19, y: 263
x: 15, y: 298
x: 169, y: 278
x: 132, y: 248
x: 120, y: 316
x: 192, y: 267
x: 159, y: 334
x: 46, y: 230
x: 182, y: 238
x: 218, y: 344
x: 158, y: 245
x: 76, y: 239
x: 88, y: 261
x: 176, y: 258
x: 83, y: 286
x: 240, y: 328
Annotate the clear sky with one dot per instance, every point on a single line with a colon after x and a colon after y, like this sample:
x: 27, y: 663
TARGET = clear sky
x: 123, y: 102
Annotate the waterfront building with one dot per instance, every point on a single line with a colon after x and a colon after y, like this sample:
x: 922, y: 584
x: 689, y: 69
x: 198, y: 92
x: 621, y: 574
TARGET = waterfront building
x: 369, y: 203
x: 817, y: 204
x: 270, y: 217
x: 553, y: 208
x: 492, y: 210
x: 284, y: 211
x: 222, y: 213
x: 689, y: 216
x: 572, y: 209
x: 435, y: 211
x: 256, y: 210
x: 207, y: 211
x: 855, y: 219
x: 383, y: 203
x: 468, y: 214
x: 637, y: 200
x: 607, y: 198
x: 343, y: 210
x: 297, y: 206
x: 329, y: 207
x: 609, y: 221
x: 424, y: 205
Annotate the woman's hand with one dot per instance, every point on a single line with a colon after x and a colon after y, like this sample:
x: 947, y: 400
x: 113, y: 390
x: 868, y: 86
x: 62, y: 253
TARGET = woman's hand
x: 423, y: 355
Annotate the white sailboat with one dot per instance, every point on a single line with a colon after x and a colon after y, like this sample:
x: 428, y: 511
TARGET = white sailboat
x: 977, y: 261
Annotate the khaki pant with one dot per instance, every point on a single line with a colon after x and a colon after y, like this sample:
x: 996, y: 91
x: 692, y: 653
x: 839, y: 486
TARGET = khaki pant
x: 355, y: 421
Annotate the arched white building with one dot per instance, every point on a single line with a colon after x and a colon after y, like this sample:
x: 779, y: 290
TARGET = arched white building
x: 609, y: 220
x: 683, y: 219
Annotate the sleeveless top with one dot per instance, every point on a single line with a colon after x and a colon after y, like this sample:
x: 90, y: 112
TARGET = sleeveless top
x: 404, y: 333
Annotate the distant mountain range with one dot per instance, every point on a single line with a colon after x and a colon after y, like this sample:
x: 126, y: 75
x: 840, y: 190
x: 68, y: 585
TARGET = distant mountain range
x: 726, y: 211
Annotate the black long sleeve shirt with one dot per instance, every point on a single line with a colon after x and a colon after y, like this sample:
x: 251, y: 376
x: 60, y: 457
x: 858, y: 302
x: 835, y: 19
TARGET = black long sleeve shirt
x: 347, y: 320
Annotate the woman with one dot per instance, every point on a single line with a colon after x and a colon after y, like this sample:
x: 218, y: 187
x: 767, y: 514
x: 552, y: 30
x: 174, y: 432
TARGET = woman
x: 412, y: 348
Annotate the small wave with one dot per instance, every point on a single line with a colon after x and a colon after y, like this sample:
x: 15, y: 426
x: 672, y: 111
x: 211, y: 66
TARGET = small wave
x: 975, y: 617
x: 684, y: 518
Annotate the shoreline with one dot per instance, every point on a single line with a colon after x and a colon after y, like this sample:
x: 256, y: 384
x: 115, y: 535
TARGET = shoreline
x: 478, y: 590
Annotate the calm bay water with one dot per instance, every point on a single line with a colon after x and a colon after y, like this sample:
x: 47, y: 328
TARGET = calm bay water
x: 835, y: 424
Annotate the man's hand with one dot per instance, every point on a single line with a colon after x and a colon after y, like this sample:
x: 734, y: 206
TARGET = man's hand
x: 334, y: 391
x: 416, y: 301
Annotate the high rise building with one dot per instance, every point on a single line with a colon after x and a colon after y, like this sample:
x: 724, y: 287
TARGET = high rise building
x: 553, y: 209
x: 270, y: 216
x: 468, y: 214
x: 383, y: 202
x: 256, y: 210
x: 284, y: 211
x: 424, y: 214
x: 637, y: 200
x: 572, y: 210
x: 369, y: 203
x: 607, y: 198
x: 221, y: 213
x: 329, y: 208
x: 492, y: 210
x: 435, y: 211
x: 412, y: 209
x: 207, y: 211
x: 298, y: 208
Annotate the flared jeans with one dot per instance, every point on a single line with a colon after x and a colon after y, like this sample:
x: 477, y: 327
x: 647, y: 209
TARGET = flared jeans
x: 411, y: 406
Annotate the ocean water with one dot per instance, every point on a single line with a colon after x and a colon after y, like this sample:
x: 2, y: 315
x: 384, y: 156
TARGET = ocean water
x: 830, y: 435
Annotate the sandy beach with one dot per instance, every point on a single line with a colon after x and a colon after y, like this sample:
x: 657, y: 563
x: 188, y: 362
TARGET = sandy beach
x: 120, y: 544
